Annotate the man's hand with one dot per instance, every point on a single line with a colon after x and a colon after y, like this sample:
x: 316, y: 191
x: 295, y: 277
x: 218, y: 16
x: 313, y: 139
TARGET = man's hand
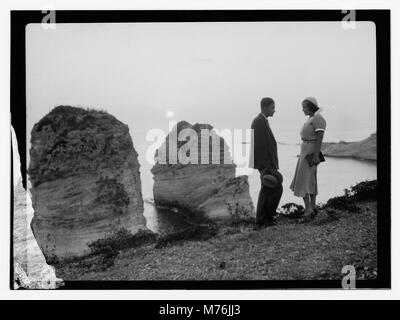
x: 273, y: 172
x: 316, y: 159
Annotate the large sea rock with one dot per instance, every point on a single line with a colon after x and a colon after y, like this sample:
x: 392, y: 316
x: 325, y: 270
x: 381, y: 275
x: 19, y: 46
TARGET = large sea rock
x: 85, y: 180
x: 30, y: 268
x: 200, y: 188
x: 363, y: 150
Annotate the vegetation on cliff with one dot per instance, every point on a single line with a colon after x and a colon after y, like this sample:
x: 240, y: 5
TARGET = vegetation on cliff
x: 316, y: 250
x: 69, y: 140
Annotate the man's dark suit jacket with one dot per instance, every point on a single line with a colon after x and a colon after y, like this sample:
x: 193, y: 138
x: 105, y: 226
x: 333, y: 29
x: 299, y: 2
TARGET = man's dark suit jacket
x: 263, y: 148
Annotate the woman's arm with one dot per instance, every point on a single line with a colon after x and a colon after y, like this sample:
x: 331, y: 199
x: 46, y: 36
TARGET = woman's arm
x: 318, y: 144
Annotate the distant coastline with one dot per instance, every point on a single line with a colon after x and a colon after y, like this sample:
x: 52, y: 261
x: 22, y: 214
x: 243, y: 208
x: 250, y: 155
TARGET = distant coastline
x: 361, y: 150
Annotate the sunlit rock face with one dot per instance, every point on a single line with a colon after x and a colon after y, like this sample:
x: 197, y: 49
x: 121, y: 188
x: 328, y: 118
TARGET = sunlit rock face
x: 184, y: 179
x: 30, y: 268
x: 85, y: 180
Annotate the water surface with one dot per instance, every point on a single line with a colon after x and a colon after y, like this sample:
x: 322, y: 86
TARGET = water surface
x: 334, y: 176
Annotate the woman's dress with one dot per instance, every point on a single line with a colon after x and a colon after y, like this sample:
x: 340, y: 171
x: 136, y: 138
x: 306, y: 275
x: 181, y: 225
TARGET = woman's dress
x: 305, y: 177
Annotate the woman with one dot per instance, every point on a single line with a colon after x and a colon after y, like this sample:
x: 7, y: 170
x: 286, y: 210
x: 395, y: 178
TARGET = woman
x: 304, y: 183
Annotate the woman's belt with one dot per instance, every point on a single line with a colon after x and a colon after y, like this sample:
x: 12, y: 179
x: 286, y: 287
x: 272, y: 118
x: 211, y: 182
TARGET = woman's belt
x: 308, y: 141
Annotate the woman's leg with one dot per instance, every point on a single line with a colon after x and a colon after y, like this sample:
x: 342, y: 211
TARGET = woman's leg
x: 307, y: 205
x: 313, y: 198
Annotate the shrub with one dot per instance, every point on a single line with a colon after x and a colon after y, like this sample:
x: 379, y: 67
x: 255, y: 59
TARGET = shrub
x: 291, y: 210
x: 343, y: 203
x: 104, y: 251
x: 365, y: 190
x: 122, y: 239
x: 237, y: 211
x: 197, y: 232
x: 242, y: 221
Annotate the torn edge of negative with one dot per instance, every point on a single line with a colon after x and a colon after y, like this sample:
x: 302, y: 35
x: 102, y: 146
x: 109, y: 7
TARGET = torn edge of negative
x: 30, y: 268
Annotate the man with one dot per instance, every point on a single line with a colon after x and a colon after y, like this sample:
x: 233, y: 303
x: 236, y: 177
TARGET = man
x: 264, y: 157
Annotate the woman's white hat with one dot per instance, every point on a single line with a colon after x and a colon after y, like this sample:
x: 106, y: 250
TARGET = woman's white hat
x: 312, y: 100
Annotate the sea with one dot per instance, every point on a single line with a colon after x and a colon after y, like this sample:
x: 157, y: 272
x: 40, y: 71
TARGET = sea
x: 334, y: 176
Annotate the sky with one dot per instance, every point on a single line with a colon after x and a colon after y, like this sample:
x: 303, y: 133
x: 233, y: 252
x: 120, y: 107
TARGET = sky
x: 146, y: 74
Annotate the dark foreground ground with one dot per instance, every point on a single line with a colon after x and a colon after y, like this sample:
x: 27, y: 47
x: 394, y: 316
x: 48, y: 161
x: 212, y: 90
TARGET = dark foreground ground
x: 289, y: 251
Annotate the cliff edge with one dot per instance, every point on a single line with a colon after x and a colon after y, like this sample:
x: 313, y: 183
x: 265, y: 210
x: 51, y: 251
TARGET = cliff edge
x: 363, y: 150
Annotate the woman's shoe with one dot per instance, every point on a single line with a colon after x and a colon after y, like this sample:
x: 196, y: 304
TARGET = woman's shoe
x: 314, y: 212
x: 307, y: 217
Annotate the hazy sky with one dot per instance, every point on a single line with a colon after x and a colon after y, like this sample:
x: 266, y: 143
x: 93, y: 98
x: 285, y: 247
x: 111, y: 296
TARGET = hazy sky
x: 215, y: 73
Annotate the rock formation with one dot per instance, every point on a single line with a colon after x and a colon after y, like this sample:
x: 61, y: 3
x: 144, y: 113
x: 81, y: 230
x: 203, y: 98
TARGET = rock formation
x: 210, y: 189
x: 364, y: 149
x: 30, y: 268
x: 85, y: 180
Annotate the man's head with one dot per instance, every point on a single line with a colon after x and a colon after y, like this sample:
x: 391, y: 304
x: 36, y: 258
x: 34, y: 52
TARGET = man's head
x: 267, y: 106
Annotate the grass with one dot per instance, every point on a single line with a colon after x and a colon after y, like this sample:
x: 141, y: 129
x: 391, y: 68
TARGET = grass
x: 362, y: 191
x: 194, y: 233
x: 103, y: 252
x: 317, y: 250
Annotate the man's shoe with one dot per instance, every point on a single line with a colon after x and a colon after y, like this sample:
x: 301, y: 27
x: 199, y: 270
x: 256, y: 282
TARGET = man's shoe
x: 270, y: 224
x: 267, y: 224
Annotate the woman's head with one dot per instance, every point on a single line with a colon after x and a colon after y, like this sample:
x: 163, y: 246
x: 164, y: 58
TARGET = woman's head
x: 310, y: 106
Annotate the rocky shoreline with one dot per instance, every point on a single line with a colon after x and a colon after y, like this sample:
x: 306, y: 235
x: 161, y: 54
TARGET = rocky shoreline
x: 88, y: 205
x: 85, y: 181
x: 361, y: 150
